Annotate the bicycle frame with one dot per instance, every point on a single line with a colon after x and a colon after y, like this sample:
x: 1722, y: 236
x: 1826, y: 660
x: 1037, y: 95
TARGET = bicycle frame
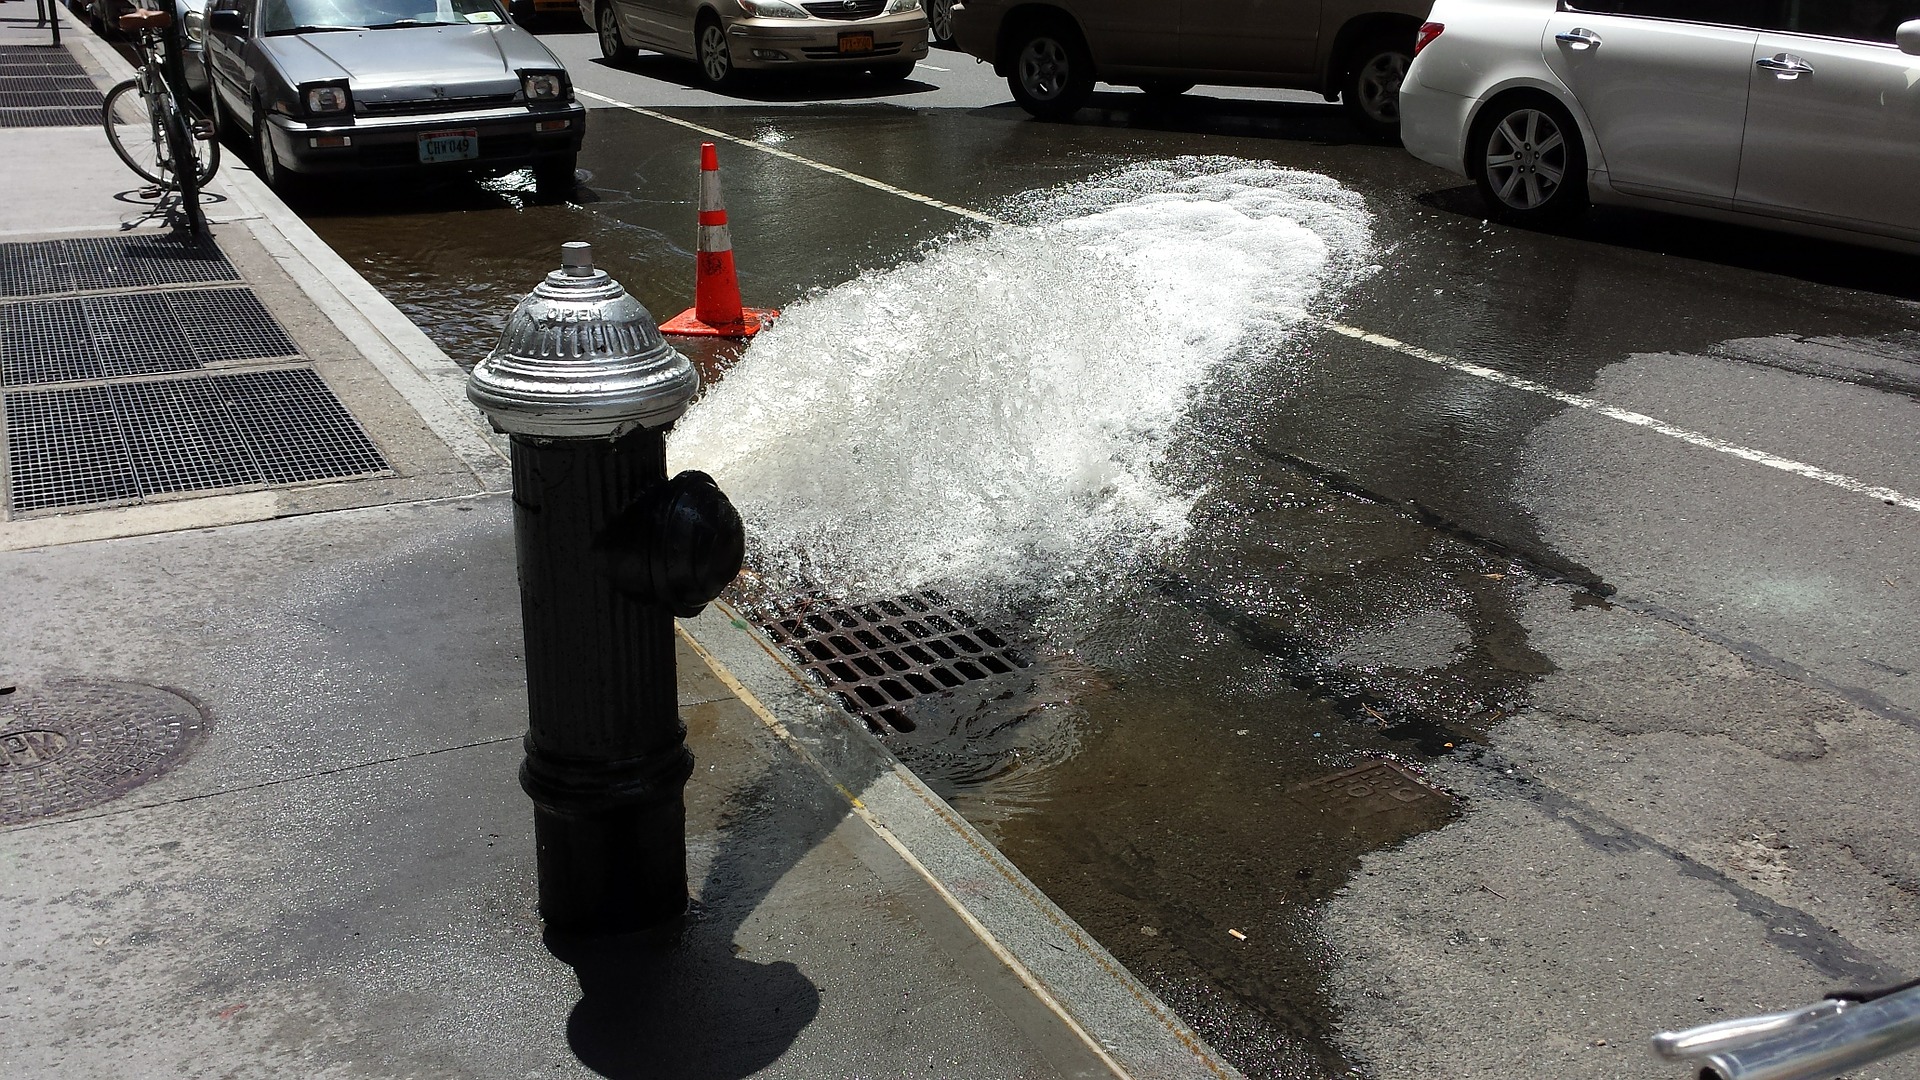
x: 1816, y: 1042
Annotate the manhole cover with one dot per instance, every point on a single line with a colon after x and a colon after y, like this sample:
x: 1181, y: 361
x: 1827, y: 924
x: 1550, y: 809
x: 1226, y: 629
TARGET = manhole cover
x: 72, y: 744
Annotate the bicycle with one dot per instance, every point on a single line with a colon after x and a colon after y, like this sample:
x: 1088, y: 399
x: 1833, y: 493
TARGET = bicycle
x: 153, y: 124
x: 1814, y: 1042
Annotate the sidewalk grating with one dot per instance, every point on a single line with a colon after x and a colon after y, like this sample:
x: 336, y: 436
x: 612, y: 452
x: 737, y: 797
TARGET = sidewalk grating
x: 85, y: 264
x: 126, y: 441
x: 26, y: 118
x: 92, y: 337
x: 14, y: 96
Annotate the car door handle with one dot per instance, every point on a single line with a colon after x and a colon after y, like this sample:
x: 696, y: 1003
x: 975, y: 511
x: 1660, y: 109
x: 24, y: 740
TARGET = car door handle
x: 1578, y: 38
x: 1784, y: 66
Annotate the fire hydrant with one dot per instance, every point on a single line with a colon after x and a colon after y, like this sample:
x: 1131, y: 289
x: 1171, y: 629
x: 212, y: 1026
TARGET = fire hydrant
x: 609, y: 551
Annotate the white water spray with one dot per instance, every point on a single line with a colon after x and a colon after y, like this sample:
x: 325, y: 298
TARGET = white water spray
x: 998, y: 414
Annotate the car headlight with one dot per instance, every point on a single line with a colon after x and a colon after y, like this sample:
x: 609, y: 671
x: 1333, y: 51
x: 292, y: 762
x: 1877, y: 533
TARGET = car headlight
x: 901, y: 7
x: 322, y: 100
x: 543, y: 86
x: 195, y: 26
x: 774, y: 9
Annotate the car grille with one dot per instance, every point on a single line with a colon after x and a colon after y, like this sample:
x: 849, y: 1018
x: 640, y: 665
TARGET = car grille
x: 421, y: 106
x: 832, y: 53
x: 845, y: 9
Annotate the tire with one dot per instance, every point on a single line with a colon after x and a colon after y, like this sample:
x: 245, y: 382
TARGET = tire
x: 1052, y: 71
x: 939, y: 21
x: 183, y: 150
x: 272, y: 173
x: 554, y: 178
x: 613, y: 45
x: 893, y: 72
x: 712, y: 54
x: 1371, y: 89
x: 132, y: 132
x: 1528, y: 160
x: 1165, y: 88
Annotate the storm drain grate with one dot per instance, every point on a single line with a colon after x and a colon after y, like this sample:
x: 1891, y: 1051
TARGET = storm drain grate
x: 77, y: 339
x: 84, y: 264
x: 127, y: 441
x: 877, y: 657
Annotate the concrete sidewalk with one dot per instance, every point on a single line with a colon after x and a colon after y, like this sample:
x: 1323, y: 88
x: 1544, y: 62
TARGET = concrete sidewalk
x: 258, y: 737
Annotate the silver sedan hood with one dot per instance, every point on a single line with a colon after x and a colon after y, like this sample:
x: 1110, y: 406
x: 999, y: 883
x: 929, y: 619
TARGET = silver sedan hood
x: 415, y: 63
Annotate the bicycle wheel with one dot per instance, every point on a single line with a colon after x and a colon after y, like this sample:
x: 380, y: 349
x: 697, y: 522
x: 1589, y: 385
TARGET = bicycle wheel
x: 134, y: 132
x: 182, y: 158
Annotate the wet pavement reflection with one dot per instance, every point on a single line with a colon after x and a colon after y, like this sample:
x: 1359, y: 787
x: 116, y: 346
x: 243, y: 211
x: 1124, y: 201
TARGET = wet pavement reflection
x: 1209, y: 738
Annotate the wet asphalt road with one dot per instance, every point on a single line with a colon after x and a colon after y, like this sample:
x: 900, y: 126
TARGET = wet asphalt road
x: 1558, y: 613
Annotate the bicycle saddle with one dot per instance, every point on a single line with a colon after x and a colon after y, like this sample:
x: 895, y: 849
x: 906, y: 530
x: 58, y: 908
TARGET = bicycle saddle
x: 146, y: 19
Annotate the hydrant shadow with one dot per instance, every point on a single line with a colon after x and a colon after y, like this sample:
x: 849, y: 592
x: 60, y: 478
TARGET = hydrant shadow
x: 681, y: 1003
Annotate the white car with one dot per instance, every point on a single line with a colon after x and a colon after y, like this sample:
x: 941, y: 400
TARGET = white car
x: 1802, y: 115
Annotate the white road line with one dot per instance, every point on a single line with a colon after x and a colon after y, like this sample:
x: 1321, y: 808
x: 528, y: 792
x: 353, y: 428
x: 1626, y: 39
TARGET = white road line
x: 930, y: 67
x: 878, y: 185
x: 1758, y: 457
x: 1478, y: 371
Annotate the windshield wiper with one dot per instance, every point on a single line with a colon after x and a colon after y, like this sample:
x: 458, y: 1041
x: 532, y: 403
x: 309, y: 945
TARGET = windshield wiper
x: 312, y: 29
x: 407, y: 22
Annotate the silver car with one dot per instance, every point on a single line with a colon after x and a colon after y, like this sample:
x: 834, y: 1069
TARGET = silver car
x: 726, y: 37
x: 1796, y: 115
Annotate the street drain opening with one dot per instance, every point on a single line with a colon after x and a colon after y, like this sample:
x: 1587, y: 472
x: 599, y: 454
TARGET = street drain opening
x: 878, y: 657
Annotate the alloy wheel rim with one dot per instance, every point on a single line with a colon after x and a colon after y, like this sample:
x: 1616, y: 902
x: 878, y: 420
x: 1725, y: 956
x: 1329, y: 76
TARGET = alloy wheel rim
x: 609, y: 33
x: 1043, y: 67
x: 940, y: 18
x: 1380, y: 86
x: 1526, y: 160
x: 713, y: 53
x: 269, y: 168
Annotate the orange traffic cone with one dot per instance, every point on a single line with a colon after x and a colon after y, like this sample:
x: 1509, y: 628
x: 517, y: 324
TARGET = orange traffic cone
x: 716, y: 310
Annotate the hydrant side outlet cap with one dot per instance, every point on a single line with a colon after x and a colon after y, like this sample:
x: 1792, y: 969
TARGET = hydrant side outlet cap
x: 582, y: 359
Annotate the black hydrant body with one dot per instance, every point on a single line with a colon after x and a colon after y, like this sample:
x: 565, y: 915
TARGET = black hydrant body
x: 609, y: 550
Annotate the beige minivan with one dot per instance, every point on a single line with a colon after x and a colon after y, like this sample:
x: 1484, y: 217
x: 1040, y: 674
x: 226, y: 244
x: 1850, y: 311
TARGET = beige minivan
x: 1053, y: 51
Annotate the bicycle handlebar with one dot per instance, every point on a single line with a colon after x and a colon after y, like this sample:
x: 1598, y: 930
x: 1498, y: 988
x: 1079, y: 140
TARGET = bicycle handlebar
x: 1816, y: 1042
x: 146, y: 19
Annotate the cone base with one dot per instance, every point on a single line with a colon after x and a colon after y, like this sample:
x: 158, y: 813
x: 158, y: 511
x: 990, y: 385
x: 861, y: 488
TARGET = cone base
x: 688, y: 324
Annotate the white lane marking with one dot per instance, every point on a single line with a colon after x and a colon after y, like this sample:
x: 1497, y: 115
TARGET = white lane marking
x: 1748, y: 453
x: 878, y: 185
x: 1479, y: 371
x: 930, y: 67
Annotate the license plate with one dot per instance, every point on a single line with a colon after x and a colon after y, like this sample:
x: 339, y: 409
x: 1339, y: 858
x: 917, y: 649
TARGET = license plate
x: 856, y: 43
x: 449, y: 146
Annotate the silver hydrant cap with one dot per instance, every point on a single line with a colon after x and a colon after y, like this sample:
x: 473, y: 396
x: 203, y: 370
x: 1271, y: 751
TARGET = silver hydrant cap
x: 582, y: 359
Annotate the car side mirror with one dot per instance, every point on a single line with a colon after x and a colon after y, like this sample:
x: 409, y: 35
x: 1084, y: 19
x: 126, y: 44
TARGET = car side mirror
x: 1908, y: 37
x: 228, y: 21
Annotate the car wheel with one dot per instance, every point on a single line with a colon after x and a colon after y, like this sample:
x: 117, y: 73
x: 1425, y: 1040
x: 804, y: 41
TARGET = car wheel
x: 612, y: 45
x: 1528, y: 159
x: 272, y: 173
x: 554, y: 178
x: 939, y: 21
x: 1052, y: 70
x: 716, y: 59
x: 1166, y: 88
x: 1371, y: 92
x: 892, y: 72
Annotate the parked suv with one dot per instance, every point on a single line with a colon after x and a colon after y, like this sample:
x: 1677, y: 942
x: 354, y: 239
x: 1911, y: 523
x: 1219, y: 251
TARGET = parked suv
x: 1053, y: 51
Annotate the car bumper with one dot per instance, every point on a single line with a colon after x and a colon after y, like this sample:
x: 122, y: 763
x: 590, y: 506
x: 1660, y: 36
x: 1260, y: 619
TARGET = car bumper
x: 760, y: 44
x: 392, y: 144
x: 1433, y: 125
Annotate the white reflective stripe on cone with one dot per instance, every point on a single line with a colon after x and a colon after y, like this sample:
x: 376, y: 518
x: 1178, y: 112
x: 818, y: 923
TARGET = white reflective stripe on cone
x: 710, y: 190
x: 715, y: 238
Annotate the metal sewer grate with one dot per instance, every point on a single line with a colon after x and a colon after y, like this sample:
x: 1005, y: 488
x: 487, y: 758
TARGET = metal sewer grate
x: 127, y: 441
x: 49, y: 97
x: 878, y: 657
x: 87, y: 263
x: 79, y: 339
